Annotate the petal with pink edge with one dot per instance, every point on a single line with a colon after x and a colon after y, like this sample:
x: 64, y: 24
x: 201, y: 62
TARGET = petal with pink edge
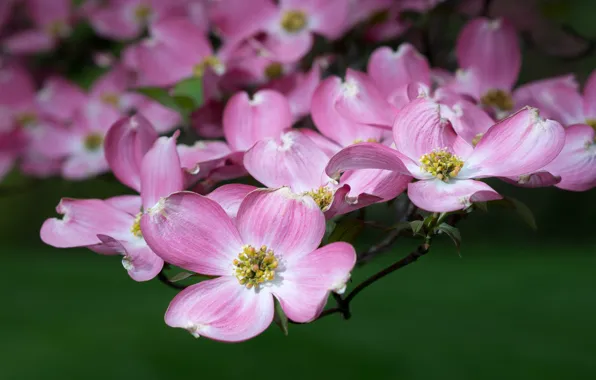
x: 366, y: 156
x: 125, y: 144
x: 308, y: 280
x: 230, y: 197
x: 288, y: 48
x: 391, y: 69
x: 385, y: 184
x: 437, y: 196
x: 246, y: 120
x: 520, y: 144
x: 83, y: 220
x: 60, y: 98
x: 342, y: 203
x: 294, y: 161
x: 141, y: 263
x: 538, y: 179
x: 289, y: 224
x: 221, y: 309
x: 127, y: 203
x: 161, y: 173
x: 193, y: 232
x: 326, y: 17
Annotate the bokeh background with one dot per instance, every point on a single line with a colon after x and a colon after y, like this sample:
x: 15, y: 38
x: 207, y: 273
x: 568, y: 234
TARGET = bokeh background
x: 516, y: 303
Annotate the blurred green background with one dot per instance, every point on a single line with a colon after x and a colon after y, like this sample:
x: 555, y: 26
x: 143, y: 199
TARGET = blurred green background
x: 516, y: 304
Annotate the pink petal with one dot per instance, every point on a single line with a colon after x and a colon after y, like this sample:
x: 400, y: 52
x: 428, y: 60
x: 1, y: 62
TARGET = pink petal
x: 43, y: 12
x: 29, y: 42
x: 113, y: 83
x: 126, y: 143
x: 288, y: 48
x: 520, y: 144
x: 590, y: 97
x: 163, y: 119
x: 139, y: 260
x: 361, y: 101
x: 193, y: 232
x: 343, y: 203
x: 468, y: 120
x: 84, y: 165
x: 83, y: 220
x: 230, y: 197
x: 113, y: 23
x: 207, y: 120
x: 22, y: 88
x: 203, y: 156
x: 385, y: 184
x: 326, y: 145
x: 221, y: 309
x: 576, y: 164
x: 492, y: 48
x: 246, y: 121
x: 127, y: 203
x: 420, y: 128
x: 60, y: 98
x: 331, y: 122
x: 393, y: 69
x: 236, y: 20
x: 294, y: 161
x: 326, y: 17
x: 538, y: 179
x: 556, y: 98
x: 161, y: 173
x: 52, y: 140
x: 309, y: 279
x: 366, y: 156
x: 437, y: 196
x: 289, y: 224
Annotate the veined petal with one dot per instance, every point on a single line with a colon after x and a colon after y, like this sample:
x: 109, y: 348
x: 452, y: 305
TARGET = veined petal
x: 193, y: 232
x: 127, y: 203
x: 308, y: 280
x: 366, y: 156
x: 391, y: 69
x: 325, y: 144
x: 246, y: 121
x: 161, y: 173
x: 437, y: 196
x: 221, y: 309
x: 538, y: 179
x: 141, y: 263
x: 126, y: 143
x: 230, y: 197
x: 294, y: 161
x: 342, y: 203
x: 289, y: 224
x: 83, y: 220
x: 520, y: 144
x: 385, y: 184
x: 468, y: 120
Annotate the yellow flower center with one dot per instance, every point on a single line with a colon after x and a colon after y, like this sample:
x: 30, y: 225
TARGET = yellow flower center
x: 322, y: 196
x: 26, y: 119
x: 93, y: 142
x: 110, y: 98
x: 293, y: 21
x: 441, y: 164
x: 274, y: 70
x: 477, y: 138
x: 142, y: 12
x: 370, y: 139
x: 498, y: 99
x: 254, y: 267
x: 136, y: 226
x: 591, y: 123
x: 209, y: 62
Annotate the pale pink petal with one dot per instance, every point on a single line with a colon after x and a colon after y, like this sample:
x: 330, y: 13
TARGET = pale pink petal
x: 576, y: 164
x: 468, y: 120
x: 52, y: 140
x: 288, y: 47
x: 299, y: 89
x: 164, y: 119
x: 113, y: 23
x: 246, y: 120
x: 182, y: 36
x: 590, y: 97
x: 391, y: 69
x: 193, y: 232
x: 492, y: 48
x: 538, y: 179
x: 294, y: 161
x: 520, y: 144
x: 289, y: 224
x: 83, y: 220
x: 308, y: 280
x: 85, y: 164
x: 362, y: 102
x: 203, y: 156
x: 342, y: 203
x: 60, y: 98
x: 127, y: 203
x: 530, y: 94
x: 113, y: 83
x: 325, y: 144
x: 126, y: 143
x: 326, y: 17
x: 22, y: 88
x: 230, y: 197
x: 366, y: 156
x: 555, y: 98
x: 385, y: 184
x: 437, y: 196
x: 420, y: 128
x: 29, y: 42
x: 239, y: 19
x: 141, y: 263
x: 45, y: 12
x: 221, y: 309
x: 161, y: 173
x: 331, y: 123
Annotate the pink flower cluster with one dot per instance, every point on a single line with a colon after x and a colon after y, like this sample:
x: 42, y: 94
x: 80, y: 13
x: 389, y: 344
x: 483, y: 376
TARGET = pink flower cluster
x: 320, y: 145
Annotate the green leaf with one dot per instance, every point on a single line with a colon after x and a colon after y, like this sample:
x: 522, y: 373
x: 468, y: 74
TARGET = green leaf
x: 416, y: 226
x: 280, y: 317
x: 185, y: 104
x: 452, y: 232
x: 346, y: 230
x: 329, y: 228
x: 521, y: 208
x: 191, y: 88
x: 160, y: 95
x: 181, y: 276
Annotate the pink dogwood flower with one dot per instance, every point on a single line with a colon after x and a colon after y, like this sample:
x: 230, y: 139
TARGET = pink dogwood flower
x: 269, y: 251
x: 445, y: 166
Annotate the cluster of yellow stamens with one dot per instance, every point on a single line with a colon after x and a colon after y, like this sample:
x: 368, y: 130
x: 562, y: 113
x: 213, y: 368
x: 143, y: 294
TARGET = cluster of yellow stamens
x: 210, y: 62
x: 142, y: 12
x: 498, y: 99
x: 293, y: 21
x: 441, y: 164
x: 371, y: 139
x: 591, y: 123
x: 274, y: 70
x: 477, y: 138
x: 110, y: 98
x: 322, y: 196
x: 93, y: 142
x: 136, y: 226
x: 254, y: 267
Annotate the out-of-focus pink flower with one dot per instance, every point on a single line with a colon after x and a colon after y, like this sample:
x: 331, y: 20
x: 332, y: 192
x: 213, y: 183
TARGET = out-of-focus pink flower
x: 17, y: 100
x: 296, y: 161
x: 427, y: 147
x: 52, y: 21
x: 126, y: 19
x: 12, y: 144
x: 274, y: 230
x: 236, y: 20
